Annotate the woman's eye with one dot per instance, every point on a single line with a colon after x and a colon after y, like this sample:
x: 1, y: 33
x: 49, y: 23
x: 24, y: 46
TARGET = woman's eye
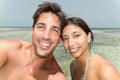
x: 76, y: 36
x: 65, y: 38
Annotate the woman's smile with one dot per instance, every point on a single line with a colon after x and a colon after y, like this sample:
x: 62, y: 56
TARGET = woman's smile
x: 74, y: 50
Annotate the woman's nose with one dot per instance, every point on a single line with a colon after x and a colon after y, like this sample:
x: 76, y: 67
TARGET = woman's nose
x: 70, y: 42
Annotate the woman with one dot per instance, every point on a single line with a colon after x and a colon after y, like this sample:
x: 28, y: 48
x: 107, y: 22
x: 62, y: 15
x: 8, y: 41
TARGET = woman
x: 77, y: 39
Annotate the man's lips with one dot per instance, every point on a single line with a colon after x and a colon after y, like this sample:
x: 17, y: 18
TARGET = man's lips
x: 45, y: 45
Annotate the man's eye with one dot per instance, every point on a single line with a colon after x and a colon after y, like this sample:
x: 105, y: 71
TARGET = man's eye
x: 56, y: 30
x: 40, y: 27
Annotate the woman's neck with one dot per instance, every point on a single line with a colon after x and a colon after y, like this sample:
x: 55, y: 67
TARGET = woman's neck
x: 82, y: 60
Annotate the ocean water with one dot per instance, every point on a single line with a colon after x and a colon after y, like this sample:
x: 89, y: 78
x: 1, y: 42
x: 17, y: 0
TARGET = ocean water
x: 106, y: 43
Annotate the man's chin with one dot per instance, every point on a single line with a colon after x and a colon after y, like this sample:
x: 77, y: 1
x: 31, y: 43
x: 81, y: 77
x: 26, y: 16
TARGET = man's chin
x: 43, y: 54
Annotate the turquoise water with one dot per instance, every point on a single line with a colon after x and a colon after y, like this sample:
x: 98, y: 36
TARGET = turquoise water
x: 106, y: 43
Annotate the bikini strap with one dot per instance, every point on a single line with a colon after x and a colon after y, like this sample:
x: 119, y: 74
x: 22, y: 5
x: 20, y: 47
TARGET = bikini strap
x: 88, y: 62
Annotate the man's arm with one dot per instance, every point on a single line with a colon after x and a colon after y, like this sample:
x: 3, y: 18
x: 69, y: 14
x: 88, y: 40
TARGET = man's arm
x: 6, y: 46
x: 3, y: 52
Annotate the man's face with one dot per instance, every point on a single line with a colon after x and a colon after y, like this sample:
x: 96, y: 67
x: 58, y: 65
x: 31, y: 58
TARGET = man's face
x: 46, y: 34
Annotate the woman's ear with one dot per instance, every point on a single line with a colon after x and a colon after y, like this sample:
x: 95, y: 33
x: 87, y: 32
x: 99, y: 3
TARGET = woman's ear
x: 89, y: 37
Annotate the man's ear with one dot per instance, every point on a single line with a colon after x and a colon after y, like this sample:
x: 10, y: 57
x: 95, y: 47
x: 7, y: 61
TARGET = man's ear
x: 89, y: 37
x: 60, y: 41
x: 32, y: 31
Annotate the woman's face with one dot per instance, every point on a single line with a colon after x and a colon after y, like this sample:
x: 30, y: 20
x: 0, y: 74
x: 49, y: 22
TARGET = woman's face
x: 75, y: 40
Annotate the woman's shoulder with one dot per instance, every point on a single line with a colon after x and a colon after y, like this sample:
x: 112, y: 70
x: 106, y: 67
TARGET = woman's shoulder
x: 102, y: 63
x: 99, y: 60
x: 105, y: 69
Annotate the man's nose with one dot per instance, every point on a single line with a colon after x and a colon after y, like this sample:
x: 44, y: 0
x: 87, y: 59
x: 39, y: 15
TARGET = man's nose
x: 46, y: 34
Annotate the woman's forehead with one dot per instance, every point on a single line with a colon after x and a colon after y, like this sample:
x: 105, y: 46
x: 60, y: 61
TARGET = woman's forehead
x: 71, y: 28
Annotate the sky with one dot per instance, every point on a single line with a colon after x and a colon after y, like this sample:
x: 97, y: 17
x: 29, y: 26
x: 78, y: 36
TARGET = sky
x: 96, y: 13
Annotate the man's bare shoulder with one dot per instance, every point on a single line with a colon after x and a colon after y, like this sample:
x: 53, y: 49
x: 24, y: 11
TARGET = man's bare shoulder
x: 16, y: 44
x: 59, y: 76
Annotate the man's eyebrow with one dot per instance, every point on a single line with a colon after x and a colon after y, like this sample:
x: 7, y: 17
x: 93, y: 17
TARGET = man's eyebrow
x: 40, y: 23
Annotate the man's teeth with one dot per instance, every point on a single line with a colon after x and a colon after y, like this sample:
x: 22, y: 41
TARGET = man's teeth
x: 45, y: 44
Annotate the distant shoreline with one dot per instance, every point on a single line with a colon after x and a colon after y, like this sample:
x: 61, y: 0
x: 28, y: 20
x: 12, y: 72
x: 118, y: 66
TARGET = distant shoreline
x: 103, y: 28
x: 30, y: 27
x: 14, y: 27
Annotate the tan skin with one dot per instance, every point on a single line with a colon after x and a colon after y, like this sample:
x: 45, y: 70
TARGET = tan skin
x: 76, y: 43
x: 20, y: 60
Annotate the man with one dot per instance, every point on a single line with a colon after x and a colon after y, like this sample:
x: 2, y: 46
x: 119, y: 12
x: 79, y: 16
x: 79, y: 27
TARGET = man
x: 21, y: 60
